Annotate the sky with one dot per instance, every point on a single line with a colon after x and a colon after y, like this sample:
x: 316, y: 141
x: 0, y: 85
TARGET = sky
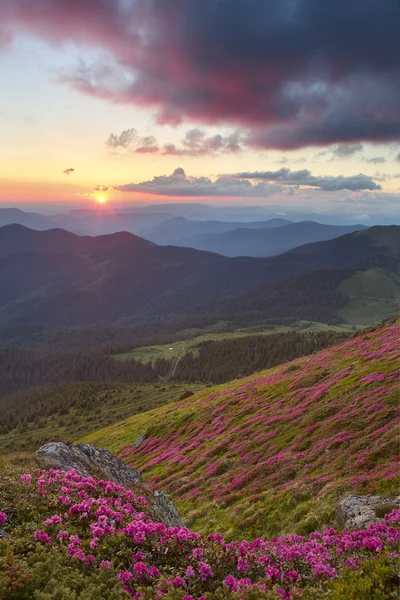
x: 261, y: 102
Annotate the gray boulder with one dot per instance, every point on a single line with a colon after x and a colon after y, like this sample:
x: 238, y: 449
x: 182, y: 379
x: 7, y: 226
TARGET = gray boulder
x: 90, y: 461
x: 357, y: 512
x: 139, y: 440
x: 165, y: 511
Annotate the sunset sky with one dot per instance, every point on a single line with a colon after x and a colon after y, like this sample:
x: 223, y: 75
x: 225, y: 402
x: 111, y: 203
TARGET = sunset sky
x: 291, y: 102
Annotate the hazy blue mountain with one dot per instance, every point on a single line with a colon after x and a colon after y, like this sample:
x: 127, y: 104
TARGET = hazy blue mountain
x: 261, y: 242
x: 180, y: 231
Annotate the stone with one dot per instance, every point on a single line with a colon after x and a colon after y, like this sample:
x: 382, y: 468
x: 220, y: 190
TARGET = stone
x: 90, y: 461
x: 139, y: 440
x: 357, y: 512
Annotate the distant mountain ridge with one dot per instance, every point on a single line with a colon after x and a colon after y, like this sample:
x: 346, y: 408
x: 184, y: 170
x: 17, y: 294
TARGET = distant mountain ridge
x: 271, y: 242
x: 55, y: 277
x: 180, y: 231
x: 160, y: 225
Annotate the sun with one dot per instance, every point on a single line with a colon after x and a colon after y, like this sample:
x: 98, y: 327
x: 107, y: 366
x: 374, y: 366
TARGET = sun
x: 101, y: 200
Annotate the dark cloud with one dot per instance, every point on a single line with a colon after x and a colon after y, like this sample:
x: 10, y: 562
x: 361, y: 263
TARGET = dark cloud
x: 68, y: 171
x: 101, y: 188
x: 267, y: 183
x: 327, y: 183
x: 180, y: 184
x: 346, y: 150
x: 295, y: 73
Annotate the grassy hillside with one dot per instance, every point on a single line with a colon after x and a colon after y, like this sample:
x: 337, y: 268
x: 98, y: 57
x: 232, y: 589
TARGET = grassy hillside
x: 66, y: 537
x: 373, y: 295
x: 272, y: 453
x: 177, y: 348
x: 67, y: 412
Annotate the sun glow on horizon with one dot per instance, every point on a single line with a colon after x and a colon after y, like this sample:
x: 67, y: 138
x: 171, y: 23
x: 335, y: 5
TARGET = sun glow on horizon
x: 101, y: 200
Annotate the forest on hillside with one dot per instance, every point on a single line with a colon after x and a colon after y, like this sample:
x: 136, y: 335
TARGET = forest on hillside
x: 25, y: 373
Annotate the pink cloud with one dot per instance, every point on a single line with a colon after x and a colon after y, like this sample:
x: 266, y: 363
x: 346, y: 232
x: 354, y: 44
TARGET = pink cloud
x: 279, y: 69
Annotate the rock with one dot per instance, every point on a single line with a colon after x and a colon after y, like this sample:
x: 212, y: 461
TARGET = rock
x: 139, y: 440
x: 357, y: 512
x: 90, y: 461
x: 165, y: 511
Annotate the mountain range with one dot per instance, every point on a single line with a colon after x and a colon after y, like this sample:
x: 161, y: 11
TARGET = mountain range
x: 264, y: 237
x: 278, y: 239
x: 55, y: 277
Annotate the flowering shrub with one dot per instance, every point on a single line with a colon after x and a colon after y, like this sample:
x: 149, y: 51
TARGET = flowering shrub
x: 103, y: 534
x: 273, y: 453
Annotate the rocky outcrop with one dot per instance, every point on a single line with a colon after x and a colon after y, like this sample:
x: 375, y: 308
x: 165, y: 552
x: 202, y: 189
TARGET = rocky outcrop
x: 165, y: 511
x: 90, y: 461
x: 360, y: 511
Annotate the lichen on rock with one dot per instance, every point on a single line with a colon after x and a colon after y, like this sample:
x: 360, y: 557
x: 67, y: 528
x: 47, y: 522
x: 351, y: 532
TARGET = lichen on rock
x: 360, y: 511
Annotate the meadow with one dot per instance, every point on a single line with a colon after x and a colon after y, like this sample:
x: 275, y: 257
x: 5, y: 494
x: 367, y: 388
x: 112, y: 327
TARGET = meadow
x: 68, y: 412
x: 189, y: 340
x: 273, y: 452
x: 65, y: 536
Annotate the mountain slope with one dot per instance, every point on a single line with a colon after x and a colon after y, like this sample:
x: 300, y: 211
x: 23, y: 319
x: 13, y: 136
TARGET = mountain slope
x: 271, y: 242
x: 67, y: 536
x: 55, y: 277
x: 275, y: 451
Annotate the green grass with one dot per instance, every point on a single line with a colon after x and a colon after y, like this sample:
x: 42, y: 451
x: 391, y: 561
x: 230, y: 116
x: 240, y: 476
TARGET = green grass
x: 149, y: 354
x: 274, y: 452
x: 387, y: 237
x: 374, y: 295
x: 112, y: 402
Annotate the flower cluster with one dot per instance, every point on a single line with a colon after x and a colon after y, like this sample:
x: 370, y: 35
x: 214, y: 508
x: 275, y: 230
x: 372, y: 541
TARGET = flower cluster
x: 100, y: 517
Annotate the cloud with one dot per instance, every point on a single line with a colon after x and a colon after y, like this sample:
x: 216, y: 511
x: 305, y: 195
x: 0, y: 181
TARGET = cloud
x: 123, y: 140
x: 129, y: 139
x: 196, y: 143
x: 294, y: 73
x: 346, y: 150
x: 180, y: 184
x: 147, y: 145
x: 376, y: 160
x: 304, y: 177
x: 101, y: 188
x: 398, y: 157
x: 68, y: 171
x: 268, y: 182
